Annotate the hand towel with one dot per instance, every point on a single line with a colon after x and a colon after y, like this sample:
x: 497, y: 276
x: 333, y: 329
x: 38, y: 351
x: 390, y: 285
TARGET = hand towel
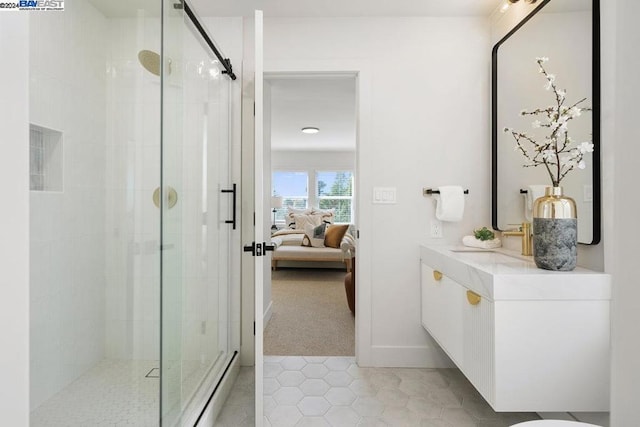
x: 533, y: 192
x: 450, y: 203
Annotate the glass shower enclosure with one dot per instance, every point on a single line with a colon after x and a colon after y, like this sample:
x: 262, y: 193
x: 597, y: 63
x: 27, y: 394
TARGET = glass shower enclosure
x: 130, y: 198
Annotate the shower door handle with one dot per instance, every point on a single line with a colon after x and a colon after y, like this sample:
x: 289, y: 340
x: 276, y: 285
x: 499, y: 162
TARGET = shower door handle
x: 233, y: 218
x: 172, y: 197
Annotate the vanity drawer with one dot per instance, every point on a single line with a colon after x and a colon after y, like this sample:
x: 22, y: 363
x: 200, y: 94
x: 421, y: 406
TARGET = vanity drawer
x: 462, y: 324
x: 442, y: 307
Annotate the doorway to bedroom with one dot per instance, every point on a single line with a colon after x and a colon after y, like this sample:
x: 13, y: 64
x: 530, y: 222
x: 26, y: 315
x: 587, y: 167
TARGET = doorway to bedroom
x: 310, y: 127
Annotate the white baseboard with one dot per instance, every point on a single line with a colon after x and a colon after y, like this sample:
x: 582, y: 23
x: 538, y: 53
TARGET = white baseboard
x: 409, y: 357
x: 267, y: 314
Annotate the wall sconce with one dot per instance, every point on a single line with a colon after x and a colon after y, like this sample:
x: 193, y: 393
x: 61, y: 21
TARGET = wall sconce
x: 276, y: 203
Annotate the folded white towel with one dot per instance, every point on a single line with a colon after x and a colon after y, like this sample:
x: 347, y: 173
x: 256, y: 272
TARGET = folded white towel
x: 533, y: 192
x: 471, y: 241
x: 450, y: 203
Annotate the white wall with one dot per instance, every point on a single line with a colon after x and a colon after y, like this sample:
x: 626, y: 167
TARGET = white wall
x: 423, y: 121
x: 14, y: 222
x: 313, y: 160
x: 623, y: 65
x: 67, y: 93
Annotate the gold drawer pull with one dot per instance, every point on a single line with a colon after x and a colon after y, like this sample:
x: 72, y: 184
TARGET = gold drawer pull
x: 473, y: 298
x: 437, y: 275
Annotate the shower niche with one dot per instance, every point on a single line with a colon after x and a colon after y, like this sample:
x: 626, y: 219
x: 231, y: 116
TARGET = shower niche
x: 45, y: 159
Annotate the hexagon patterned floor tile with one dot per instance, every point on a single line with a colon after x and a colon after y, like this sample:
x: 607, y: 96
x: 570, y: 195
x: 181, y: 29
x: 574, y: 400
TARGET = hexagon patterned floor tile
x: 334, y: 391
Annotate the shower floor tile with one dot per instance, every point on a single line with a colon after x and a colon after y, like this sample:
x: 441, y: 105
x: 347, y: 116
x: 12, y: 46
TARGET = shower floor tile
x: 113, y: 393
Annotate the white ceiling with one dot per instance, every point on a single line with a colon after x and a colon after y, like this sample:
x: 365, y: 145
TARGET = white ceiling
x: 327, y: 103
x: 344, y: 8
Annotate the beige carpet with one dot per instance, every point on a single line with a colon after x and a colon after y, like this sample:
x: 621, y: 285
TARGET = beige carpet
x: 310, y: 314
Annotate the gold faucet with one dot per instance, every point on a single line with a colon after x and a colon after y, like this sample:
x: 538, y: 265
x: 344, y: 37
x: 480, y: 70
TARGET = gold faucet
x: 525, y: 232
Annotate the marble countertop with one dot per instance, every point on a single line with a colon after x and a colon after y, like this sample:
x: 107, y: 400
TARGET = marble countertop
x: 499, y: 274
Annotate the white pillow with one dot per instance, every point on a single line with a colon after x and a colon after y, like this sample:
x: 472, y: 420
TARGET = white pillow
x: 301, y: 221
x: 291, y: 222
x: 327, y: 215
x: 315, y: 235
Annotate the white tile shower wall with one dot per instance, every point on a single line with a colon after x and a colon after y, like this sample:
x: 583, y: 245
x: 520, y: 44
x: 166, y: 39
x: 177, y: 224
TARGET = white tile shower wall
x: 132, y: 174
x: 67, y: 93
x: 428, y: 125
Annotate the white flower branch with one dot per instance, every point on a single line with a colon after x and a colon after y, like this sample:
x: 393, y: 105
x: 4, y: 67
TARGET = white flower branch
x: 555, y: 152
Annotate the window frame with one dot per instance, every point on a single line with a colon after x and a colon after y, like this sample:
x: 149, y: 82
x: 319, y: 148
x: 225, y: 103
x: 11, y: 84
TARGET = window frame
x: 351, y: 198
x: 313, y: 198
x: 280, y: 212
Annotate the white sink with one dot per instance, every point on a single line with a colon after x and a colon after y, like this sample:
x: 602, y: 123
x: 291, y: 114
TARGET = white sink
x: 490, y: 256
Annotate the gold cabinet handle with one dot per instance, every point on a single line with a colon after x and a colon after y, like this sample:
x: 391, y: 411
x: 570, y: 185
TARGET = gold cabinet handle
x: 473, y: 298
x: 172, y: 197
x: 437, y: 275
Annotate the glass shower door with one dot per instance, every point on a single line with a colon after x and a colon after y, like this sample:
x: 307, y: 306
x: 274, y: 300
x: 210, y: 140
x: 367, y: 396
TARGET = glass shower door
x: 195, y: 236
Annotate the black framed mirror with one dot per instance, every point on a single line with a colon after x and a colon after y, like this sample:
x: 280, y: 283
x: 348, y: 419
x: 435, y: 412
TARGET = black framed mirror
x: 567, y: 32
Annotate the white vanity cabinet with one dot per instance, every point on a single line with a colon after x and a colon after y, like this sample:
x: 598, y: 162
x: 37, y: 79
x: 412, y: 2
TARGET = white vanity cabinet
x: 527, y: 339
x: 462, y: 325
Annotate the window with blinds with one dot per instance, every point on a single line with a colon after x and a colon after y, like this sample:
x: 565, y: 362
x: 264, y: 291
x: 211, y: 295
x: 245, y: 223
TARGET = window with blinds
x: 334, y: 190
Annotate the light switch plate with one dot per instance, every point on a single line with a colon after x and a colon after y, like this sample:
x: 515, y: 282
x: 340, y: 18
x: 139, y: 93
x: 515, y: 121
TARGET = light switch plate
x: 384, y: 195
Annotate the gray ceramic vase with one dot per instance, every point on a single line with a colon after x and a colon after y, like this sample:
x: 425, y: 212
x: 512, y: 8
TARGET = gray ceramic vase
x: 555, y: 231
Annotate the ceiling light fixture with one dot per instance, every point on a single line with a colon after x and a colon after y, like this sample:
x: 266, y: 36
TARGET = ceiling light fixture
x: 526, y: 1
x: 310, y: 130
